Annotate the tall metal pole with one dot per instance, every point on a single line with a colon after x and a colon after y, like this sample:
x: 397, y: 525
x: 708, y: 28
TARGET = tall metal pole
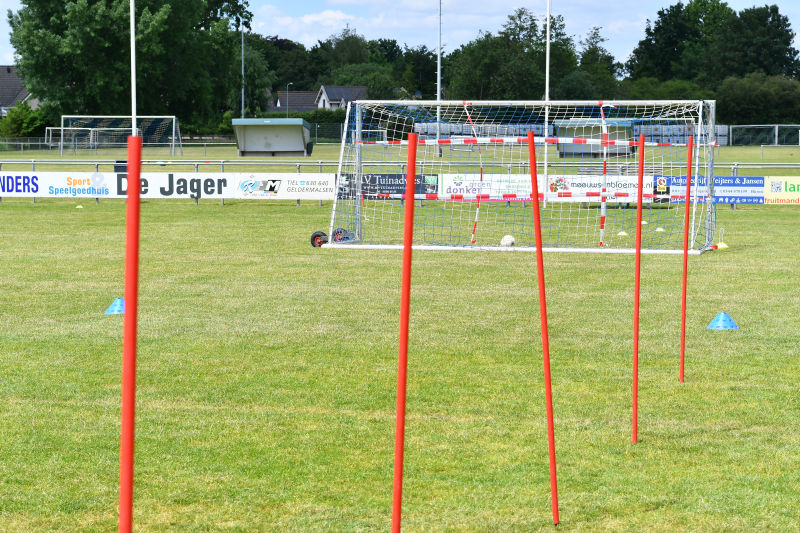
x: 240, y: 22
x: 133, y: 67
x: 287, y: 98
x: 547, y: 60
x: 439, y: 72
x: 546, y: 133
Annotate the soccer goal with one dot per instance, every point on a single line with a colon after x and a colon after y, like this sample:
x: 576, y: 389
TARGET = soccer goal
x: 94, y: 132
x: 472, y: 183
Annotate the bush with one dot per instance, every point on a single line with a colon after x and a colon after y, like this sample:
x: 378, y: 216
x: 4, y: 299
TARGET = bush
x: 22, y: 121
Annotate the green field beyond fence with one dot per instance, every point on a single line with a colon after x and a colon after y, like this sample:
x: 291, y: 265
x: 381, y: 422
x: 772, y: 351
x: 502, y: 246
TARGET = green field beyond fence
x: 267, y: 371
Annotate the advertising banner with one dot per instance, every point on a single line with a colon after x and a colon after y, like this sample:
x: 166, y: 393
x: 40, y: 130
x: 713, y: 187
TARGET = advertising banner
x: 288, y: 186
x: 782, y: 190
x: 727, y: 189
x: 560, y: 187
x: 193, y: 185
x: 375, y: 185
x: 586, y: 188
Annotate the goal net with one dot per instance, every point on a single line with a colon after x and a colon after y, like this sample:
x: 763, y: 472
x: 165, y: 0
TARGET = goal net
x: 93, y: 132
x: 473, y: 184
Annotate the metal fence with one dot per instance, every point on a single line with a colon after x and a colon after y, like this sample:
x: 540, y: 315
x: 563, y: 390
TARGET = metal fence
x: 321, y: 133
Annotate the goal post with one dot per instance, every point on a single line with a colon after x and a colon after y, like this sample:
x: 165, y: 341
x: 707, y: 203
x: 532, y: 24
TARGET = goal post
x: 99, y: 131
x: 472, y: 164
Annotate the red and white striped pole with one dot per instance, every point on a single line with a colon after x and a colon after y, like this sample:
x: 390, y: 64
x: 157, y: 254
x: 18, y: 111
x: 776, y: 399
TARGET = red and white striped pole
x: 686, y: 252
x: 402, y: 360
x: 548, y: 388
x: 637, y: 280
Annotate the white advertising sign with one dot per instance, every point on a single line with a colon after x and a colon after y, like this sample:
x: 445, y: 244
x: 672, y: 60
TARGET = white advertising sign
x: 560, y: 187
x: 193, y: 185
x: 572, y: 188
x: 288, y: 186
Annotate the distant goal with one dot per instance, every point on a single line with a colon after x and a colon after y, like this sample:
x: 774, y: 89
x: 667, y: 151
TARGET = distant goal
x: 473, y: 183
x: 96, y: 132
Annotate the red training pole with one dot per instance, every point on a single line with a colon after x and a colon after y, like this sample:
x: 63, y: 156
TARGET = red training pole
x: 402, y: 360
x: 129, y: 336
x: 548, y: 389
x: 637, y: 280
x: 686, y: 252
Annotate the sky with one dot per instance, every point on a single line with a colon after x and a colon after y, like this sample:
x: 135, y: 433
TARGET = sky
x: 415, y: 22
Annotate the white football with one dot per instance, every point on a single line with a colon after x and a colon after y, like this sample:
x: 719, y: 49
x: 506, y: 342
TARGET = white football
x: 508, y: 240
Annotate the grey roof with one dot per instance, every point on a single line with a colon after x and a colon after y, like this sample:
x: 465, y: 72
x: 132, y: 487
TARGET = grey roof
x: 298, y: 100
x: 344, y: 94
x: 12, y: 90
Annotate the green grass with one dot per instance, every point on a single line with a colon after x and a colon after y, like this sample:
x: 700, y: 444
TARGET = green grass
x: 208, y: 158
x: 267, y: 369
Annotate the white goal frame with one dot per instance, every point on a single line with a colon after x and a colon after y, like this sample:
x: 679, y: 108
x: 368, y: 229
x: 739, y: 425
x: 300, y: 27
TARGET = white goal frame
x: 598, y: 148
x: 174, y: 135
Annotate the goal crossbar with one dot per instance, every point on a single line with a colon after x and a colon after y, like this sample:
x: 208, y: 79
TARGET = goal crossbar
x: 524, y: 140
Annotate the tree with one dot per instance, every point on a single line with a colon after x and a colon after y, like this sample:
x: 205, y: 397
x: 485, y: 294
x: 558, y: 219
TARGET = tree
x: 706, y: 41
x: 664, y: 42
x: 759, y: 39
x: 348, y: 48
x: 509, y: 65
x: 493, y: 67
x: 418, y: 71
x: 73, y: 55
x: 758, y: 99
x: 577, y: 85
x: 599, y: 65
x: 377, y: 78
x: 654, y: 89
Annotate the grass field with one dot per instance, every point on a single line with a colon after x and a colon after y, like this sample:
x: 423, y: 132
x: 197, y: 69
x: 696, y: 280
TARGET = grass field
x: 267, y: 368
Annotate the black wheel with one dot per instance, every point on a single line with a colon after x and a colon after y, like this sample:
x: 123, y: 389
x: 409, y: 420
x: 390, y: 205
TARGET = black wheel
x: 339, y: 235
x: 318, y: 238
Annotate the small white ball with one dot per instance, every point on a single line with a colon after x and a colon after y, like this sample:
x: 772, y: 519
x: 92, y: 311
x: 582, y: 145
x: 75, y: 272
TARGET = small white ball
x: 507, y: 240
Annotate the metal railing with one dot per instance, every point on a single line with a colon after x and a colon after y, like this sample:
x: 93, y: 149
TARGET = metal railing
x: 222, y: 164
x: 309, y: 166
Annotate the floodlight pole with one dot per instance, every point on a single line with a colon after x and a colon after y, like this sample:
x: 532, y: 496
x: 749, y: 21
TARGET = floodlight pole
x: 242, y: 25
x: 133, y: 67
x: 546, y: 132
x: 439, y: 74
x: 287, y: 98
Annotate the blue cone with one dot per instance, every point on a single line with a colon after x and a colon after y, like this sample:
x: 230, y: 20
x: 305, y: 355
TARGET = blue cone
x: 723, y: 321
x: 117, y: 307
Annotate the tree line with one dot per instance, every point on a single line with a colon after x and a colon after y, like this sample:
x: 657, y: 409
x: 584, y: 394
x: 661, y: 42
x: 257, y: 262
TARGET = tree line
x: 74, y: 56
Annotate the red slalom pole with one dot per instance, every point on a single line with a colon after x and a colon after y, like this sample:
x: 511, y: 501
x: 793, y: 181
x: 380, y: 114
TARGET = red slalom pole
x: 402, y: 360
x: 129, y: 336
x: 548, y: 388
x: 637, y: 281
x: 686, y: 252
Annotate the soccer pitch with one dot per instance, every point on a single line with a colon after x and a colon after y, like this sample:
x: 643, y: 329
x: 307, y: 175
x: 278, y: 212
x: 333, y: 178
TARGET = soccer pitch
x: 267, y: 372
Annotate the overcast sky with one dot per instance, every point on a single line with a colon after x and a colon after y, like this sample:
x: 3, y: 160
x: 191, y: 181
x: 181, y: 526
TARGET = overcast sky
x: 415, y: 22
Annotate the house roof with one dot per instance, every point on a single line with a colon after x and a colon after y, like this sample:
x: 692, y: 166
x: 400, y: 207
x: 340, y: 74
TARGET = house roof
x: 298, y: 100
x: 341, y: 93
x: 11, y: 88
